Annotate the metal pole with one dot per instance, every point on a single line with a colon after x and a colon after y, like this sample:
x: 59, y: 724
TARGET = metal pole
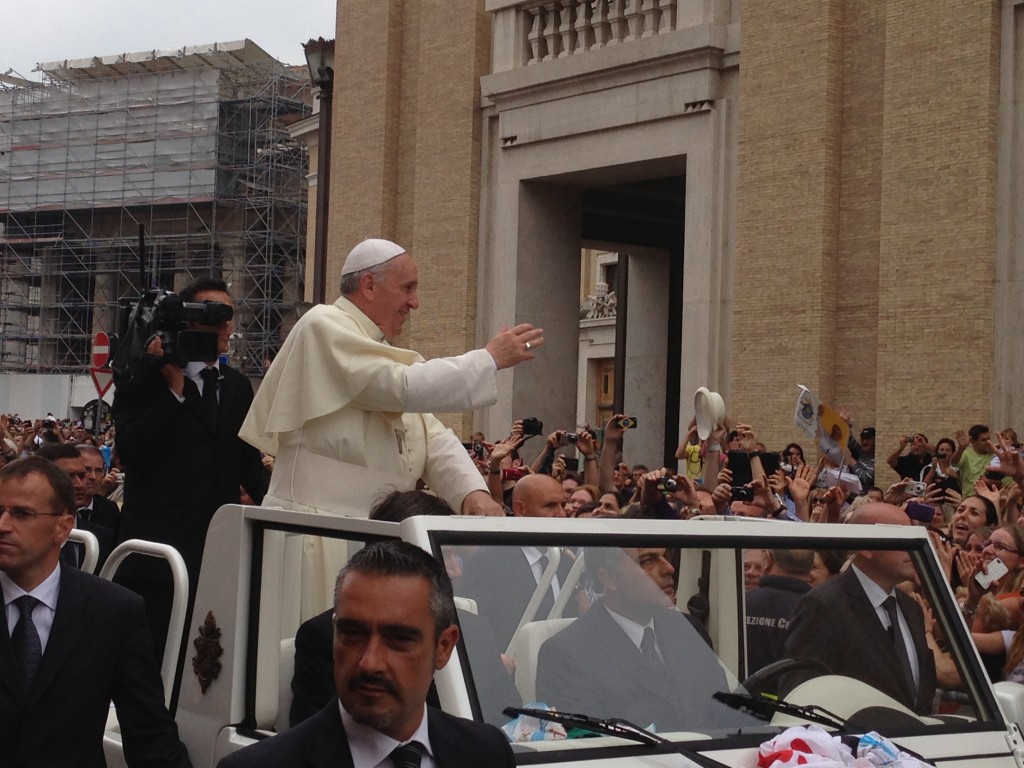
x: 142, y: 259
x: 323, y: 189
x: 621, y: 301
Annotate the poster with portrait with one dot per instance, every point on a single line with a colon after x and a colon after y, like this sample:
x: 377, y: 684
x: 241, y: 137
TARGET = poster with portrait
x: 822, y: 423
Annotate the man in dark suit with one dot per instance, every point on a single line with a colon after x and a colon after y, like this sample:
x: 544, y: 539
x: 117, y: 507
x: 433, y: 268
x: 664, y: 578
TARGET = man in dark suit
x: 177, y: 437
x: 102, y: 510
x: 70, y: 642
x: 847, y: 623
x: 394, y: 625
x: 632, y: 656
x: 503, y: 579
x: 72, y: 461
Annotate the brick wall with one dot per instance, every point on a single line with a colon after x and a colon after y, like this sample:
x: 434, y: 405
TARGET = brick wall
x: 866, y: 213
x: 407, y: 154
x: 937, y: 235
x: 784, y: 284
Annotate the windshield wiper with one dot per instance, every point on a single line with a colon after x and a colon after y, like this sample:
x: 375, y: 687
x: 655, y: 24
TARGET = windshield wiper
x: 615, y: 726
x: 764, y: 707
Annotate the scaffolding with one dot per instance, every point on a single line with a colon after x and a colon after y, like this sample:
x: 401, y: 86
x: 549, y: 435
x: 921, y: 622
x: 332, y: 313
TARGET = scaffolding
x: 149, y: 170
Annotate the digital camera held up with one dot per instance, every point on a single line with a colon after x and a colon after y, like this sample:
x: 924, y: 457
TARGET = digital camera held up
x: 532, y: 427
x: 668, y: 484
x: 162, y: 314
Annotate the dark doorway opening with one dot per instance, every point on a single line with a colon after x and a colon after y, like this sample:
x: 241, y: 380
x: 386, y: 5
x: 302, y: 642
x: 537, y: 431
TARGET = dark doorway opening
x: 648, y: 213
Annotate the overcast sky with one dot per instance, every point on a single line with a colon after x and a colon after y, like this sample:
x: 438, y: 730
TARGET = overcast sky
x: 33, y: 31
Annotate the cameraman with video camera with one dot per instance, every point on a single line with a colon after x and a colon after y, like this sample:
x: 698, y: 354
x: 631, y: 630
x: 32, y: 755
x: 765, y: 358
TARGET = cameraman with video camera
x: 177, y: 422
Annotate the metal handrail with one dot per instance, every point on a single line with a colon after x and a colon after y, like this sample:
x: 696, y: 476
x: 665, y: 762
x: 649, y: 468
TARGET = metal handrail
x: 554, y: 555
x: 92, y: 548
x: 179, y: 600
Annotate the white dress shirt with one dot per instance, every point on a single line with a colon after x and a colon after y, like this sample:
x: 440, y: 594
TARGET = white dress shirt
x: 372, y: 749
x: 194, y: 371
x: 533, y: 556
x: 634, y: 631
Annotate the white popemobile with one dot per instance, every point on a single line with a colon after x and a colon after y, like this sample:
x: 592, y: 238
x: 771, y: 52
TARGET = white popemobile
x: 236, y: 684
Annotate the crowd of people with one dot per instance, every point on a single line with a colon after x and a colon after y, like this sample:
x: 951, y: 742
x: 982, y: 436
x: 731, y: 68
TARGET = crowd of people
x: 967, y: 490
x: 24, y: 436
x: 732, y: 473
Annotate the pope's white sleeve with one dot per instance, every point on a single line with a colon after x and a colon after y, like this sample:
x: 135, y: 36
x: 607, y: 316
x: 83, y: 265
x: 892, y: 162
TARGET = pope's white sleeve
x: 449, y: 471
x: 449, y: 384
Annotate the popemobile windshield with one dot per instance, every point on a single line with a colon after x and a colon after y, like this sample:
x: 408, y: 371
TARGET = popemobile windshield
x: 639, y: 644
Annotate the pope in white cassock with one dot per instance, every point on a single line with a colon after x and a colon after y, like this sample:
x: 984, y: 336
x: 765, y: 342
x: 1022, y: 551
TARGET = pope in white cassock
x: 348, y: 416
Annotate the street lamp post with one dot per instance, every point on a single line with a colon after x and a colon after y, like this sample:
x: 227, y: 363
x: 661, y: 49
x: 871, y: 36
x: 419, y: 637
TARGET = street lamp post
x: 320, y: 60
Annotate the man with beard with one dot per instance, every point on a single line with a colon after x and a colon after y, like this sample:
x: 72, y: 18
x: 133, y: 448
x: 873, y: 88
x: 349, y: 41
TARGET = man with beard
x: 394, y: 624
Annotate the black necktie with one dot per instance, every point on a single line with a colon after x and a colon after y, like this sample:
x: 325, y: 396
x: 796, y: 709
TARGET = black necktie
x: 650, y: 650
x: 407, y: 755
x: 210, y: 375
x: 896, y: 635
x: 28, y: 650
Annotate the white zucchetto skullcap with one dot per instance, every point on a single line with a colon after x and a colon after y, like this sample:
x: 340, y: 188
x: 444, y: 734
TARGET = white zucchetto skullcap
x: 372, y: 252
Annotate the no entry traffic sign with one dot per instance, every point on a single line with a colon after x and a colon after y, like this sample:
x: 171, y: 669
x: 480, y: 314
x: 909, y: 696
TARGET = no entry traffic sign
x: 100, y: 351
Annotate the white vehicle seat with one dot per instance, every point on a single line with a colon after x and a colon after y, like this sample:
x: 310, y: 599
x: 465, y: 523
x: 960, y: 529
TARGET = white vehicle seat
x: 529, y: 640
x: 285, y: 672
x: 842, y: 696
x: 467, y: 604
x: 1011, y: 699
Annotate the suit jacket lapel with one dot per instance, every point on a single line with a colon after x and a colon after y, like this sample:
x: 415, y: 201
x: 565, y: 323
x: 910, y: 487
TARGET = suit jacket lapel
x: 870, y: 625
x: 7, y: 677
x: 228, y: 396
x: 634, y: 671
x: 194, y: 402
x: 444, y: 743
x: 327, y: 744
x: 925, y: 660
x: 70, y: 621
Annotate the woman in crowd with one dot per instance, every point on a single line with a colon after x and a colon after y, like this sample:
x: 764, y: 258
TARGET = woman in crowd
x: 793, y: 455
x: 609, y: 505
x: 994, y: 612
x: 971, y: 513
x: 584, y: 494
x: 943, y: 472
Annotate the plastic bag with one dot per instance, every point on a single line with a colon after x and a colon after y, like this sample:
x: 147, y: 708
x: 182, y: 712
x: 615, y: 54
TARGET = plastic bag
x: 525, y: 728
x: 811, y: 745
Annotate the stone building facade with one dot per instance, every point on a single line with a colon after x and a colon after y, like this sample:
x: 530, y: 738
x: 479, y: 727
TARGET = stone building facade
x: 817, y: 192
